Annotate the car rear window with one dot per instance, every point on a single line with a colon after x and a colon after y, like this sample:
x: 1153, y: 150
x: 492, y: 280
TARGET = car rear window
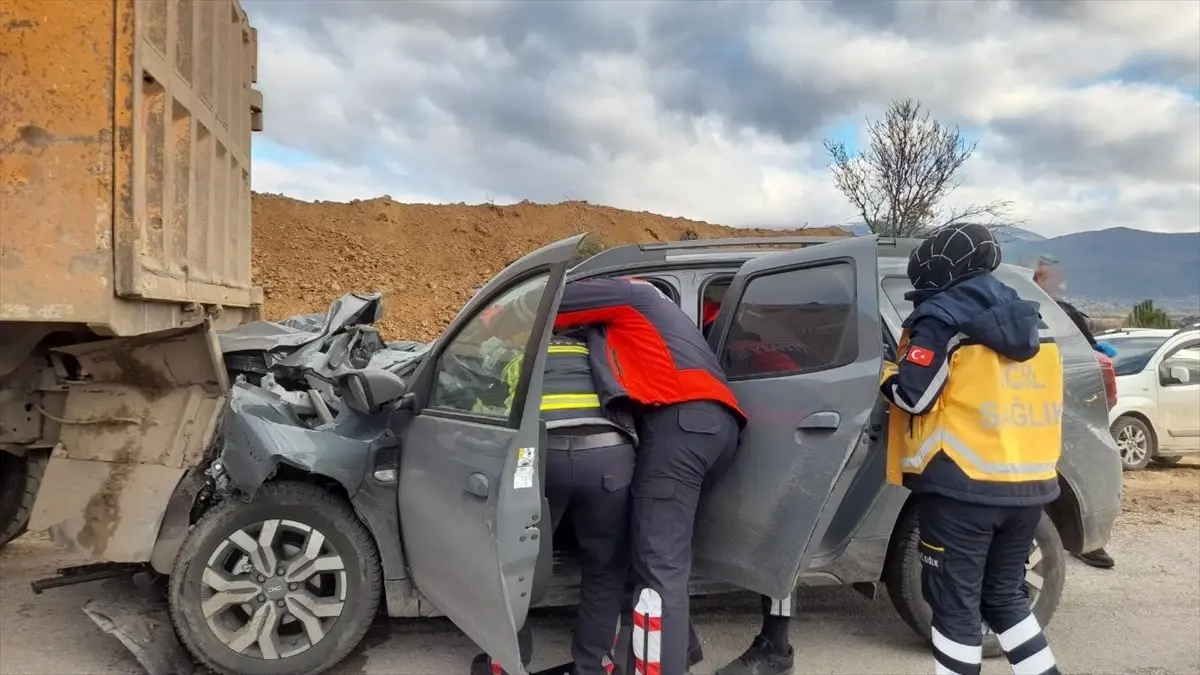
x: 1133, y: 353
x: 894, y: 289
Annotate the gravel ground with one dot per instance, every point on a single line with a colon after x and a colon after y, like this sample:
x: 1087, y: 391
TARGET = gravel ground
x: 1141, y: 617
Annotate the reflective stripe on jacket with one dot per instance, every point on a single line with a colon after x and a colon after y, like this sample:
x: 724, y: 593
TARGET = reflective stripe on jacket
x: 992, y: 431
x: 569, y: 395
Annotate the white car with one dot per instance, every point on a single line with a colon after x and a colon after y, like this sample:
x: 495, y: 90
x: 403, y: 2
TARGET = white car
x: 1157, y: 415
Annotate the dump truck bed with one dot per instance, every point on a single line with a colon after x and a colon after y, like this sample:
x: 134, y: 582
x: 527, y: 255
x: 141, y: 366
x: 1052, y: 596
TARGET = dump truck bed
x: 125, y: 163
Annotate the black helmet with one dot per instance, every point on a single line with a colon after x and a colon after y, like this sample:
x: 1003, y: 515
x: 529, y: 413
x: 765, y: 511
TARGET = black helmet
x: 952, y: 253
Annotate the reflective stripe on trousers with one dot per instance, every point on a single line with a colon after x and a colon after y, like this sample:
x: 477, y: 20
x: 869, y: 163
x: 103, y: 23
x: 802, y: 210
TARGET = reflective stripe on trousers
x: 779, y: 606
x: 647, y: 633
x: 954, y: 658
x: 1026, y: 648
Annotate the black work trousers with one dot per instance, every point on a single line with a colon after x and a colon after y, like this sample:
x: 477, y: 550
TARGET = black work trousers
x: 973, y: 570
x: 682, y: 448
x: 588, y: 478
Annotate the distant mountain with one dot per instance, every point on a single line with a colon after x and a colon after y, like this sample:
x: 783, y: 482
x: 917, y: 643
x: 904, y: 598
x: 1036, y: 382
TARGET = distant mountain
x: 1114, y: 268
x: 1004, y: 235
x: 1121, y: 266
x: 1010, y: 234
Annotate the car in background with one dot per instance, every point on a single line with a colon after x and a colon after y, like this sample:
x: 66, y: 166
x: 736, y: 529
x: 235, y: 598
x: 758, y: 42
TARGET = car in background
x: 1157, y: 415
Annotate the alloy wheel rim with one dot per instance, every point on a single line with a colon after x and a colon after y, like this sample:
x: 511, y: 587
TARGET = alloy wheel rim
x: 1132, y: 443
x: 273, y: 589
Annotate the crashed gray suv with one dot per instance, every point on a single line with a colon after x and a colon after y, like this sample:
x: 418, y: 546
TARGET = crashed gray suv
x: 405, y: 481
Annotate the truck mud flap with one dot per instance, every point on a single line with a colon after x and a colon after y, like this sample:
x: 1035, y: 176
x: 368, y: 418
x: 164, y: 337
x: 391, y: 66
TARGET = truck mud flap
x: 133, y: 609
x: 133, y: 416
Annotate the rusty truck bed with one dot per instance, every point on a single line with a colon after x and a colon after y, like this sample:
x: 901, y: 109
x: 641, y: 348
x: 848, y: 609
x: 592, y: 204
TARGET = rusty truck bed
x: 124, y: 244
x: 124, y: 162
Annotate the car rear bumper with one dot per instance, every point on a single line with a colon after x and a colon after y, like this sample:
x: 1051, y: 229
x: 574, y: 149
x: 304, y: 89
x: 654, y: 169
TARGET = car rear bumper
x: 1097, y: 528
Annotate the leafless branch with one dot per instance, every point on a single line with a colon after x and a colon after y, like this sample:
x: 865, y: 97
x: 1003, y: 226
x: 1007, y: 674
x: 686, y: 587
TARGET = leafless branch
x: 910, y: 166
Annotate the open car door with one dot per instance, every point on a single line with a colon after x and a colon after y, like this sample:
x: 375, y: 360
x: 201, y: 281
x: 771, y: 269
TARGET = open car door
x: 470, y: 494
x: 799, y: 337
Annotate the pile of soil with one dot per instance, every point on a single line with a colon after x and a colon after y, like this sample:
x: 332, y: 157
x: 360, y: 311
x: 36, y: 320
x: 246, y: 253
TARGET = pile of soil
x: 1163, y: 495
x: 426, y: 258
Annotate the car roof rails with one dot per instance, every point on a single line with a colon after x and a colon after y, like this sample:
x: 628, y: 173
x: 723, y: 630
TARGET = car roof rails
x: 659, y: 251
x: 1184, y: 329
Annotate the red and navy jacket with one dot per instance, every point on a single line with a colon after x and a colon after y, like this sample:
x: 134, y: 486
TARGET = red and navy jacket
x: 646, y: 349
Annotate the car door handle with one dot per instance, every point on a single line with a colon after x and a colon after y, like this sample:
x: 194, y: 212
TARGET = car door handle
x: 478, y: 485
x: 826, y: 421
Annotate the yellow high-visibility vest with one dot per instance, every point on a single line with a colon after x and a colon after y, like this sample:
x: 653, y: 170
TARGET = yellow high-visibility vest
x: 999, y: 420
x: 568, y: 391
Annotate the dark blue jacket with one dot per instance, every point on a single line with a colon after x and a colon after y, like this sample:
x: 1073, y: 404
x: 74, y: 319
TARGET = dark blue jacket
x: 987, y: 312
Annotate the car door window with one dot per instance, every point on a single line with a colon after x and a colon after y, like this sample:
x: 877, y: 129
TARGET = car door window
x: 1186, y: 357
x: 472, y: 375
x: 773, y: 335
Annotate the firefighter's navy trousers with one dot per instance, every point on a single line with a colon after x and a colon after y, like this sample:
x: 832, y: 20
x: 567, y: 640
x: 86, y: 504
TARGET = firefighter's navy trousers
x: 588, y: 477
x: 973, y: 571
x: 682, y: 448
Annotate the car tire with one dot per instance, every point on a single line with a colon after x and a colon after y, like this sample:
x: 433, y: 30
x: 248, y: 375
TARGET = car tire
x: 902, y: 576
x: 339, y: 561
x: 1135, y: 441
x: 20, y: 478
x: 1168, y: 460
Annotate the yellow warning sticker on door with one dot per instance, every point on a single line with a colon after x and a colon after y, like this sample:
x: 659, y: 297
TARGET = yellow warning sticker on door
x: 525, y: 456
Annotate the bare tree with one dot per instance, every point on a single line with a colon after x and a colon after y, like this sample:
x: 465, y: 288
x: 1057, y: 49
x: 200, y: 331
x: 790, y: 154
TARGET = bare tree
x: 899, y: 183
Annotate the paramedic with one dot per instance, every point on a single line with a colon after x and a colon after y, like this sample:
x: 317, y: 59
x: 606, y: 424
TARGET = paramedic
x: 975, y: 431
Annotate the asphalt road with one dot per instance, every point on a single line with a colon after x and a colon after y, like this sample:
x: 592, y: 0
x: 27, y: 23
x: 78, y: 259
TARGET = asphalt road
x: 1141, y: 617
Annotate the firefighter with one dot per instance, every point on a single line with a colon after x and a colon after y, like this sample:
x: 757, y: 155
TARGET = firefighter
x: 589, y: 469
x: 650, y: 359
x: 975, y: 427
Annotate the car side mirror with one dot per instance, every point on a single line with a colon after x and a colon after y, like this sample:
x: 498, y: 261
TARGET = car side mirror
x: 1180, y: 374
x: 368, y: 391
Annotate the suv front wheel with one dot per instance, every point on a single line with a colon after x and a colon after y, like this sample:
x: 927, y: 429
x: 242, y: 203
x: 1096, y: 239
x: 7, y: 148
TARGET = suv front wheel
x: 286, y: 584
x: 1045, y: 576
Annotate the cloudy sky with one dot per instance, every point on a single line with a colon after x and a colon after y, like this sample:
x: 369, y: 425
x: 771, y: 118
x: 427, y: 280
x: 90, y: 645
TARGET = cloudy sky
x: 1087, y: 114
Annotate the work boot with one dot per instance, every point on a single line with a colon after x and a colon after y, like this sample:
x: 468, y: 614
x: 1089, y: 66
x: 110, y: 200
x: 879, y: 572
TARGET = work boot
x: 760, y: 659
x: 1098, y: 558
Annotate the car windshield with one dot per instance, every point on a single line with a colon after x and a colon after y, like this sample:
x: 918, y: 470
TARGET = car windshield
x: 1133, y: 352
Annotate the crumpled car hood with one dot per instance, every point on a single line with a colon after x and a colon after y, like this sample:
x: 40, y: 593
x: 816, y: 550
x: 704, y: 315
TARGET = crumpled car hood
x: 284, y: 409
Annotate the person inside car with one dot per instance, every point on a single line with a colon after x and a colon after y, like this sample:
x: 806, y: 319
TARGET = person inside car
x: 771, y: 651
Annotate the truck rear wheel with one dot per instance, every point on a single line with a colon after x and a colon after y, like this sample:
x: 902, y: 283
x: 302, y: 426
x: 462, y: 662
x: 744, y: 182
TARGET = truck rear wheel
x: 19, y: 481
x: 286, y: 584
x: 1045, y: 577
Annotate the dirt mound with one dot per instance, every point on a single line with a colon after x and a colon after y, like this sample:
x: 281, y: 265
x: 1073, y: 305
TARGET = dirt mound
x: 1159, y: 495
x: 427, y: 258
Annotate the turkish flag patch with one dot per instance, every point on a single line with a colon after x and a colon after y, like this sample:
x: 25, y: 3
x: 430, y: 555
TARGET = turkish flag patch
x: 919, y: 356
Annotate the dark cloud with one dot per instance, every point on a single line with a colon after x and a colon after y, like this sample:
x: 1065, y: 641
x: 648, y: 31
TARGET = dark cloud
x: 1055, y: 147
x: 493, y: 96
